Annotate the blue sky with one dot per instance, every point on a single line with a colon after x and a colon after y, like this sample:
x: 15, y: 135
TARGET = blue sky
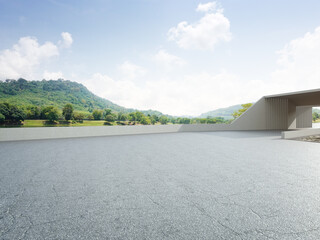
x: 178, y: 57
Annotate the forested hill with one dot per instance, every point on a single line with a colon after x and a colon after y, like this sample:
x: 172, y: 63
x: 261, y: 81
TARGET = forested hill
x: 226, y: 113
x: 56, y: 93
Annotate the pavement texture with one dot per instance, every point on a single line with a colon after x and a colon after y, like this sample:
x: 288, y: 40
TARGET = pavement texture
x: 208, y: 185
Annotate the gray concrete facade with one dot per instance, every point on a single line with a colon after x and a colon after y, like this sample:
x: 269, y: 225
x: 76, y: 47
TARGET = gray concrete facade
x: 280, y: 112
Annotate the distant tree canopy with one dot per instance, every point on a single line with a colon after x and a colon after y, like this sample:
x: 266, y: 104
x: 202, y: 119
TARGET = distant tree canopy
x: 67, y: 111
x: 97, y: 114
x: 2, y: 118
x: 11, y: 113
x: 145, y: 120
x: 109, y: 116
x: 244, y: 108
x: 78, y: 116
x: 122, y: 116
x: 107, y: 112
x: 33, y: 112
x: 50, y: 113
x: 163, y: 119
x: 315, y: 116
x: 56, y: 93
x: 154, y: 119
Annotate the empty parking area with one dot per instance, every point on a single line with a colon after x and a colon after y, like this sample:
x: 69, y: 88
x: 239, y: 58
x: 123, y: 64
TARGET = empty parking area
x: 205, y: 185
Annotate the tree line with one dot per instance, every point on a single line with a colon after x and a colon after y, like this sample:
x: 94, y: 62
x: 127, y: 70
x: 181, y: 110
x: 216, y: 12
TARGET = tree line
x: 14, y: 114
x: 315, y: 116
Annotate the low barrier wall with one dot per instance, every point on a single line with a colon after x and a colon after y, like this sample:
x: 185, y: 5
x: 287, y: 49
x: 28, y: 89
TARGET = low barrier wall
x: 16, y: 134
x: 300, y: 133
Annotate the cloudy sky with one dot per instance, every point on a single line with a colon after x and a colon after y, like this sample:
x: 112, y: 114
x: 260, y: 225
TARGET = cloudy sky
x: 181, y: 57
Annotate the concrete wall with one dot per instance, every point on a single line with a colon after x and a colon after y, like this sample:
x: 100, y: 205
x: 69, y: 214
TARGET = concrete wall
x: 266, y: 114
x: 276, y: 113
x: 15, y: 134
x: 304, y: 117
x: 252, y: 119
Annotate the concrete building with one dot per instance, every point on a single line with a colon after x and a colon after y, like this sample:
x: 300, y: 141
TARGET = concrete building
x: 280, y: 112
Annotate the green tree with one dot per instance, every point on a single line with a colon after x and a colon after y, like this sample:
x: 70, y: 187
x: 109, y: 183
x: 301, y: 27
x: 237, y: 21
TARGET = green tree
x: 220, y: 120
x: 111, y: 117
x: 145, y: 120
x: 132, y: 117
x: 52, y: 114
x: 78, y: 116
x: 89, y: 116
x: 97, y: 114
x: 67, y: 111
x: 211, y: 120
x: 32, y: 112
x: 44, y: 110
x: 315, y: 116
x: 202, y: 120
x: 244, y: 108
x: 106, y: 112
x: 184, y: 120
x: 173, y: 120
x: 154, y: 119
x: 139, y: 116
x: 122, y: 116
x: 163, y: 119
x: 12, y: 113
x: 2, y: 118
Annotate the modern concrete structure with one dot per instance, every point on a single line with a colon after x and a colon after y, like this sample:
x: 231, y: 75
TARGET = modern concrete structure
x: 280, y: 112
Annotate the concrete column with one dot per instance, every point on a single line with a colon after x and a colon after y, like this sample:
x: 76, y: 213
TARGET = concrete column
x: 304, y: 117
x: 292, y: 120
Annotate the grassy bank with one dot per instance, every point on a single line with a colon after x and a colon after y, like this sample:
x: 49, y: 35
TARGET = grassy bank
x: 85, y: 123
x: 44, y: 123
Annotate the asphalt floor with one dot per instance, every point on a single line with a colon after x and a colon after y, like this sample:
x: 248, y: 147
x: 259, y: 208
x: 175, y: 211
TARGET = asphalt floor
x: 204, y: 185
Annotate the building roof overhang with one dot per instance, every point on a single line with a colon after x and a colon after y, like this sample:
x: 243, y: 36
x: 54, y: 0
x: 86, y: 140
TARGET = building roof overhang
x: 300, y: 98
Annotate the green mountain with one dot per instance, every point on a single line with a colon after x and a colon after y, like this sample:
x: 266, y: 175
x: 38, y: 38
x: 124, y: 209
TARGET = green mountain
x: 226, y: 113
x: 56, y: 93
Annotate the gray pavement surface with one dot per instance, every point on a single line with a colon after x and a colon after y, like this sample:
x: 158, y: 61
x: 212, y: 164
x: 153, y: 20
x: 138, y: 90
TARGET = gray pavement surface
x: 206, y: 185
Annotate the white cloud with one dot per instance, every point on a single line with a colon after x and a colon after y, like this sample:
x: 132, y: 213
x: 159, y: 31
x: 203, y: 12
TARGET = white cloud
x: 66, y: 40
x: 124, y: 93
x: 192, y: 95
x: 25, y: 57
x: 130, y: 71
x: 211, y: 29
x: 168, y: 60
x: 52, y: 75
x: 206, y: 7
x: 299, y: 63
